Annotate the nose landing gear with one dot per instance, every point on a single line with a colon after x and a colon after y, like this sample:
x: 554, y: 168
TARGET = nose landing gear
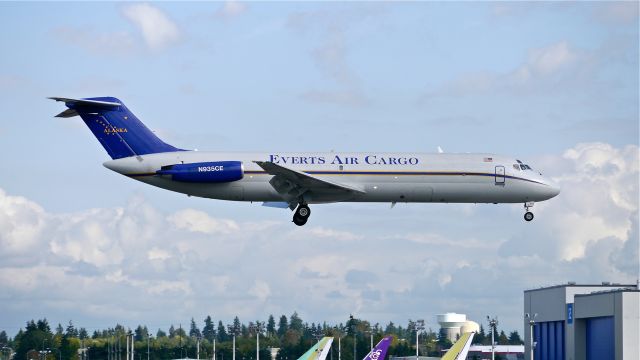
x: 528, y: 216
x: 301, y: 215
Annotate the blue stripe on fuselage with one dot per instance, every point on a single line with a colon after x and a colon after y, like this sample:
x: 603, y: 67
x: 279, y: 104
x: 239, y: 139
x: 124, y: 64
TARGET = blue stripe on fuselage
x: 388, y: 173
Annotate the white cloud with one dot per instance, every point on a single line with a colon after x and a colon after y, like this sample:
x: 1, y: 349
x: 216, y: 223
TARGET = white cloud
x: 551, y: 58
x: 599, y: 199
x: 333, y: 234
x: 21, y: 224
x: 231, y: 9
x: 158, y: 254
x: 542, y: 67
x: 158, y: 30
x: 260, y: 290
x: 164, y: 287
x: 199, y: 221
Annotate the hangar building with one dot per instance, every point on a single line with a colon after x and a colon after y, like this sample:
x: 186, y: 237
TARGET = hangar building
x: 573, y: 322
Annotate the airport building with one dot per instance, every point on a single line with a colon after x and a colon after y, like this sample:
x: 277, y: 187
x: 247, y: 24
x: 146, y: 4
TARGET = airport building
x: 575, y: 322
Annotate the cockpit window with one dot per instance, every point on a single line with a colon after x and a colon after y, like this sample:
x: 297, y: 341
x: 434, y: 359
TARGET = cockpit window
x: 522, y: 165
x: 515, y: 166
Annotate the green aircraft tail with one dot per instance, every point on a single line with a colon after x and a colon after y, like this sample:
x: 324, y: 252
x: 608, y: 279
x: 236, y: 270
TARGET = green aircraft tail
x: 460, y: 349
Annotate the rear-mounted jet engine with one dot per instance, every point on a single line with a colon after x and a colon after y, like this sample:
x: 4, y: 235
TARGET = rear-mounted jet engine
x: 204, y: 172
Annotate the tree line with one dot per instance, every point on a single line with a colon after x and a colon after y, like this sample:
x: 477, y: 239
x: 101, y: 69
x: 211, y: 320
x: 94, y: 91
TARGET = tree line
x: 290, y: 334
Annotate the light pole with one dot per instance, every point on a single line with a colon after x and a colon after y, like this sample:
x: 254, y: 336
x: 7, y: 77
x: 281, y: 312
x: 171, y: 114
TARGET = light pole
x: 532, y: 323
x: 148, y: 341
x: 341, y: 332
x: 233, y: 330
x: 353, y: 329
x: 258, y: 328
x: 493, y: 323
x: 419, y: 327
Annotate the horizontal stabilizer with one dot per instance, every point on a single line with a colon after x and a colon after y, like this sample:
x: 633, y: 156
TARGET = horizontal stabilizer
x: 68, y: 113
x: 85, y: 102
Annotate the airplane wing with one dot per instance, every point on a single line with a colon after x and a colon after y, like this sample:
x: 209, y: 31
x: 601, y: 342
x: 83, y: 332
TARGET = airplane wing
x: 293, y: 184
x: 460, y: 349
x: 318, y: 351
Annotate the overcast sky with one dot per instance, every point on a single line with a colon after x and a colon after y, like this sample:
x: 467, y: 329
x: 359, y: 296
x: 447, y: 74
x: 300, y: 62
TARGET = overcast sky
x: 554, y: 84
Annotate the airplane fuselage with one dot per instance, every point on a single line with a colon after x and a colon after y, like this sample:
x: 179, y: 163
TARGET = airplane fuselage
x: 382, y: 177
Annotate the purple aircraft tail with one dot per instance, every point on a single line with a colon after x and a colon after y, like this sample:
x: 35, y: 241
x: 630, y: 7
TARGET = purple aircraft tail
x: 380, y: 351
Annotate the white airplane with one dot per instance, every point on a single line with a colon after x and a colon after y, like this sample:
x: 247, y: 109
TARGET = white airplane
x: 296, y: 180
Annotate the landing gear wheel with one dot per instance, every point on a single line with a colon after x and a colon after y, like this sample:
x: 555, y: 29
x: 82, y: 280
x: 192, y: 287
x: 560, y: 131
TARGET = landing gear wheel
x: 299, y: 220
x: 303, y: 211
x: 528, y: 216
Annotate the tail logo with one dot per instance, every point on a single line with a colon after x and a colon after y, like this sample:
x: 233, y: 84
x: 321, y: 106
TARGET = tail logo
x: 114, y: 130
x: 375, y: 355
x: 111, y: 130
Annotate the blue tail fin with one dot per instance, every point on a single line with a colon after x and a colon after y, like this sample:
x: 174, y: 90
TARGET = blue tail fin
x: 118, y: 130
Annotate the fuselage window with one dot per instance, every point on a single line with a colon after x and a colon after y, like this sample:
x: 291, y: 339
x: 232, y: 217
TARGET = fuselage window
x: 515, y: 166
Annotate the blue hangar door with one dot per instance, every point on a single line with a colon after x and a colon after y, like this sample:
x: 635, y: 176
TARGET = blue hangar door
x: 549, y: 338
x: 600, y: 339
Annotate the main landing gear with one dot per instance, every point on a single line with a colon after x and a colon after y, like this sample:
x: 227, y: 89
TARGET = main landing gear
x: 301, y: 215
x: 528, y: 216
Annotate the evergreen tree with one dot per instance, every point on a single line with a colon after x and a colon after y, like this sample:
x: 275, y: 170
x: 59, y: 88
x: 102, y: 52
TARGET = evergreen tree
x: 193, y: 330
x: 4, y: 340
x: 502, y: 338
x: 96, y: 334
x: 271, y: 326
x: 172, y: 331
x: 34, y: 337
x: 140, y: 333
x: 71, y: 330
x: 283, y: 326
x: 161, y: 334
x: 514, y: 338
x: 208, y: 331
x: 295, y: 323
x: 222, y: 332
x: 59, y: 330
x: 83, y: 334
x: 480, y: 336
x: 237, y: 326
x: 43, y: 325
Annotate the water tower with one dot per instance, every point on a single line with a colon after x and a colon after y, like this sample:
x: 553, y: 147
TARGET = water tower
x: 451, y: 323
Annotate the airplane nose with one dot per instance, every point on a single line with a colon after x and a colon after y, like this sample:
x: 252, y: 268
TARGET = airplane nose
x: 553, y: 189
